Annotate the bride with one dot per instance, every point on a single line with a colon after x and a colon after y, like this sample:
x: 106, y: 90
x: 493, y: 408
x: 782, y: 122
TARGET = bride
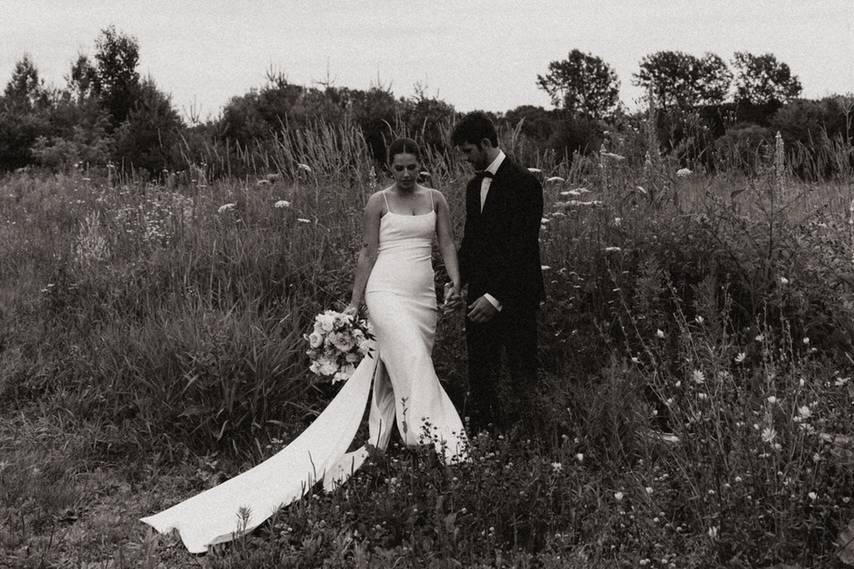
x: 394, y: 277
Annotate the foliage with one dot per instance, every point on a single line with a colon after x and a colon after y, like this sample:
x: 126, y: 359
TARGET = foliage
x: 682, y: 80
x: 117, y: 56
x: 761, y: 79
x: 582, y: 84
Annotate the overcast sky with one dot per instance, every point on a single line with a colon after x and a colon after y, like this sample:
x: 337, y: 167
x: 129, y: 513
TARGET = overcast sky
x: 471, y: 53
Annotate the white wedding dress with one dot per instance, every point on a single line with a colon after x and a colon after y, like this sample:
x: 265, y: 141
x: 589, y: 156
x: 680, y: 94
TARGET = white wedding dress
x: 400, y: 377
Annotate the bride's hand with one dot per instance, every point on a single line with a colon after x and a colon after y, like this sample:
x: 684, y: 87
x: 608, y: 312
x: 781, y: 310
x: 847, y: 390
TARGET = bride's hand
x: 351, y: 310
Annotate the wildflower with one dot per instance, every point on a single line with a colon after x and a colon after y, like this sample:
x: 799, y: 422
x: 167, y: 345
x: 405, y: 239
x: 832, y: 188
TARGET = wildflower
x: 424, y: 174
x: 806, y: 341
x: 713, y: 532
x: 612, y: 156
x: 740, y: 357
x: 534, y: 170
x: 659, y: 332
x: 702, y: 396
x: 812, y: 496
x: 282, y: 203
x: 576, y: 192
x: 769, y: 434
x: 304, y: 167
x: 738, y: 479
x: 225, y: 207
x: 544, y: 220
x: 683, y: 172
x: 697, y: 376
x: 759, y: 337
x: 554, y: 179
x: 635, y: 360
x: 618, y: 221
x: 648, y: 489
x: 557, y: 467
x: 804, y: 412
x: 772, y: 400
x: 579, y: 457
x: 699, y: 319
x: 640, y: 189
x: 612, y: 249
x: 303, y: 220
x: 784, y: 281
x: 618, y: 496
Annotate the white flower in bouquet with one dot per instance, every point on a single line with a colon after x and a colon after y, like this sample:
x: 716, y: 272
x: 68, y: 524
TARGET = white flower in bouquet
x: 315, y: 339
x: 343, y: 341
x: 353, y: 358
x: 327, y: 366
x: 326, y: 321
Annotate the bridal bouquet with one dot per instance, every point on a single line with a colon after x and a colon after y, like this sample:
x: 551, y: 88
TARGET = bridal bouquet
x: 337, y: 344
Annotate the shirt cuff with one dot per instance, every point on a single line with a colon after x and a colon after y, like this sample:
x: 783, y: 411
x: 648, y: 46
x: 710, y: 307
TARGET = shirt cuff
x: 492, y: 300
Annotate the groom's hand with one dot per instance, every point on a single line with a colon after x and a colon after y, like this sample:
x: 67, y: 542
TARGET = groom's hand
x: 481, y: 310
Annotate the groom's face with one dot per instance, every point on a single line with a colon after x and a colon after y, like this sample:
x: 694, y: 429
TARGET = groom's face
x: 475, y: 154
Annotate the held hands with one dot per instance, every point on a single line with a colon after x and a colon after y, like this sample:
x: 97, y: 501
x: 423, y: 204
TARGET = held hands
x: 453, y: 299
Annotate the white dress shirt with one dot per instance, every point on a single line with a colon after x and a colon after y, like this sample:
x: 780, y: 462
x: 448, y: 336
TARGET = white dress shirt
x: 484, y: 191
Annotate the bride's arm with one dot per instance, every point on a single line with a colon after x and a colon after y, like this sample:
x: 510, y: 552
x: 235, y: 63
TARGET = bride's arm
x: 368, y: 253
x: 445, y: 234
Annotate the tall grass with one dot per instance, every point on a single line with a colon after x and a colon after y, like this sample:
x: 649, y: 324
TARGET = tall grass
x: 165, y: 321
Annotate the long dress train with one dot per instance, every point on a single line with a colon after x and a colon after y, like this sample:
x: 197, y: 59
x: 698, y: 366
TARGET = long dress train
x: 399, y: 378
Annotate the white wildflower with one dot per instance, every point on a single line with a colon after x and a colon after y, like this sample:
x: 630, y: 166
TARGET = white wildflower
x: 612, y: 156
x: 769, y: 434
x: 304, y: 167
x: 557, y: 467
x: 683, y: 172
x: 612, y: 249
x: 534, y: 170
x: 555, y: 179
x: 697, y: 376
x: 226, y: 207
x: 579, y: 457
x: 660, y: 333
x: 740, y: 357
x: 784, y: 281
x: 618, y: 496
x: 282, y: 203
x: 303, y: 220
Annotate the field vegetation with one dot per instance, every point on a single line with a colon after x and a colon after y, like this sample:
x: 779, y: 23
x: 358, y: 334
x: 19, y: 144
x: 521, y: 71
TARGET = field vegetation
x: 151, y: 346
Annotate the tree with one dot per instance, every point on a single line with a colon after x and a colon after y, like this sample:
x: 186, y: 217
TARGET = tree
x: 149, y: 137
x: 682, y: 80
x: 25, y: 91
x: 581, y: 84
x: 82, y: 81
x: 762, y: 79
x: 117, y: 78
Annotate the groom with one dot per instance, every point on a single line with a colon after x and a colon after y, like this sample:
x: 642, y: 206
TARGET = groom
x: 500, y: 263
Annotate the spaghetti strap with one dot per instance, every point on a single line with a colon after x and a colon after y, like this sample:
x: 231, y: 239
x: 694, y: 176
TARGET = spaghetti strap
x: 432, y: 203
x: 388, y: 209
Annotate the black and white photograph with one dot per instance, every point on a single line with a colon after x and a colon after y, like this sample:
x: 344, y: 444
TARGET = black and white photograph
x: 399, y: 284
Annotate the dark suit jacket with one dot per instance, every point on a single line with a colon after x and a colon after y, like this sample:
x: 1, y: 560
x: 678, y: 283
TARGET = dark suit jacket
x: 500, y: 251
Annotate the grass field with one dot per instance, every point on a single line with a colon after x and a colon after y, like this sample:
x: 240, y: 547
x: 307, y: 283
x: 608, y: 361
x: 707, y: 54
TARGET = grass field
x: 151, y: 346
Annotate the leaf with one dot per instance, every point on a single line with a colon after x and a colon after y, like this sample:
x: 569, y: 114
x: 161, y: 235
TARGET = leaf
x: 846, y: 544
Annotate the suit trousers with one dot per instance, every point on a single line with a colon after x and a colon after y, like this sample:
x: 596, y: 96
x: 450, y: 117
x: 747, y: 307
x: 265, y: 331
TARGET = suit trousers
x: 494, y: 395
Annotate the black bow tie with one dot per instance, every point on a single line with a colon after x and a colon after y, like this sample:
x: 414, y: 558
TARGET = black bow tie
x: 481, y: 174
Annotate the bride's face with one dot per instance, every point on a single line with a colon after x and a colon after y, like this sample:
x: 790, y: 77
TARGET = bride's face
x: 404, y: 169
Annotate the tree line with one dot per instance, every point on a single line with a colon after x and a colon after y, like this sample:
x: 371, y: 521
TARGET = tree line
x: 108, y: 114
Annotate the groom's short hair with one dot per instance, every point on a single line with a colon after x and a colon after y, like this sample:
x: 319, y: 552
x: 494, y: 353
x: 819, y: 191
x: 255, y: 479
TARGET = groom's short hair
x: 473, y: 128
